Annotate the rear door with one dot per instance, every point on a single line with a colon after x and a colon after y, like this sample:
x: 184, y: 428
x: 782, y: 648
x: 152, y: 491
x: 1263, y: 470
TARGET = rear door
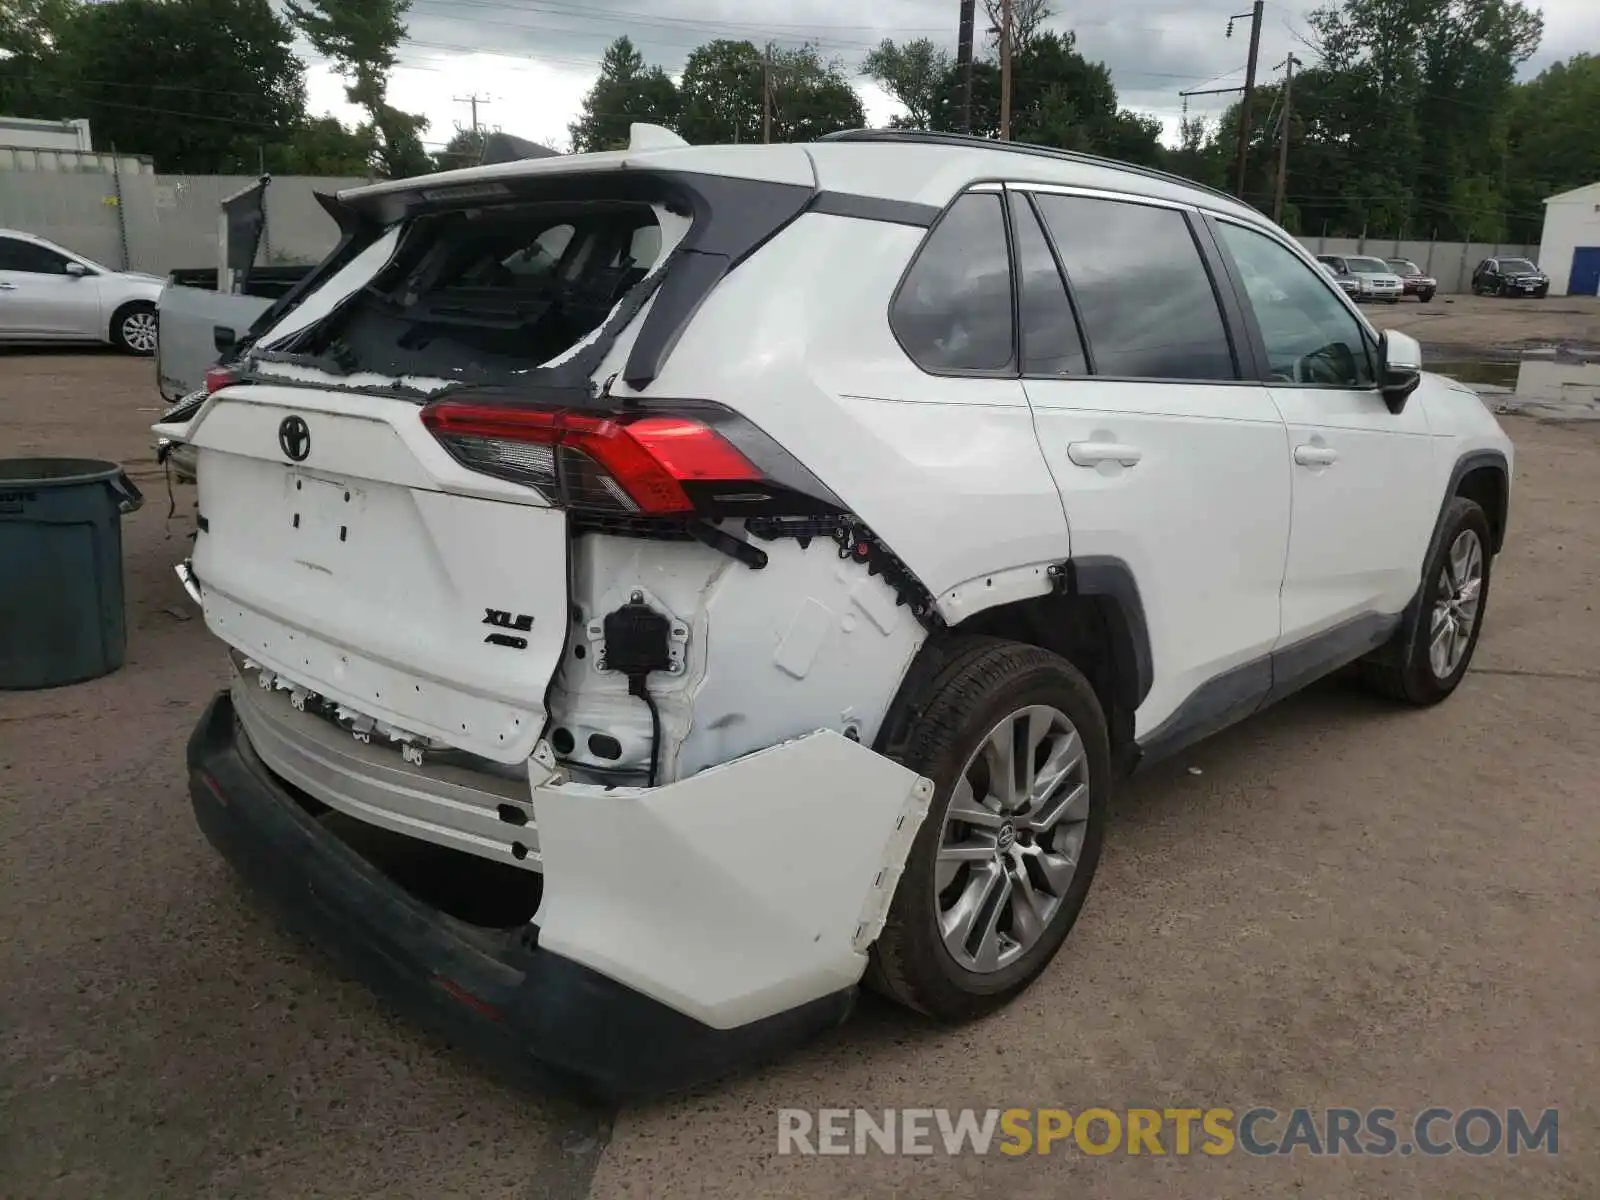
x: 342, y: 548
x: 1164, y: 456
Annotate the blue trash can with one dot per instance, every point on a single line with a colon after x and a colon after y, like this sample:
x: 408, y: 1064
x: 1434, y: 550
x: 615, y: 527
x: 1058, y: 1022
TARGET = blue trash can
x: 61, y: 606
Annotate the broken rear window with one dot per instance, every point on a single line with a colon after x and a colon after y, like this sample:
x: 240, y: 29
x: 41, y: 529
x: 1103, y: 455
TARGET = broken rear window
x: 491, y: 291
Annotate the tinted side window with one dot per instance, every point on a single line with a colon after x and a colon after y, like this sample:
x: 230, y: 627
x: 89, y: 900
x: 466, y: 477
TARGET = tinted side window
x: 1310, y: 336
x: 953, y: 311
x: 1142, y: 290
x: 18, y: 255
x: 1051, y: 344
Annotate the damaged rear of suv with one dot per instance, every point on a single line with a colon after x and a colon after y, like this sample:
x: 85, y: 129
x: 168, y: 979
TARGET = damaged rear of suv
x: 648, y: 579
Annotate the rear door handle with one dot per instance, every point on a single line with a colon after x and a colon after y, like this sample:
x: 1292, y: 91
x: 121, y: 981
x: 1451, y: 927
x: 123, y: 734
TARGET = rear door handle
x: 8, y: 287
x: 1092, y: 454
x: 1315, y: 456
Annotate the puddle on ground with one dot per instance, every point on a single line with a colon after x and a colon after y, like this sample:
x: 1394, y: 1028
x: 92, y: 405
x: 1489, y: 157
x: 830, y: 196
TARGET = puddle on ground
x: 1557, y: 386
x: 1496, y: 374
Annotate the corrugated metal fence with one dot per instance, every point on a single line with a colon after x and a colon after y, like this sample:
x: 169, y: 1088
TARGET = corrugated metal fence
x: 158, y: 222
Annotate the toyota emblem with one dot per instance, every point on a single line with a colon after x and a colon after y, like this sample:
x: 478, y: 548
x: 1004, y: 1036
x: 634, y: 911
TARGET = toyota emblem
x: 294, y: 438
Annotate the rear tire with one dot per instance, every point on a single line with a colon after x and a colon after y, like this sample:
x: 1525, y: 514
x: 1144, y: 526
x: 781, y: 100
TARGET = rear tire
x: 1455, y: 587
x: 983, y: 906
x: 134, y: 328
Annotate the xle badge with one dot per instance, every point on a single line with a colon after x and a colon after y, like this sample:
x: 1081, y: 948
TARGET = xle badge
x: 502, y: 619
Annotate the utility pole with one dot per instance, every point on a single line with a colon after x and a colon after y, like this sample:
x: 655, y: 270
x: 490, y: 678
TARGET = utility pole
x: 1288, y: 64
x: 766, y: 95
x: 1249, y: 89
x: 964, y: 60
x: 1005, y: 70
x: 473, y: 100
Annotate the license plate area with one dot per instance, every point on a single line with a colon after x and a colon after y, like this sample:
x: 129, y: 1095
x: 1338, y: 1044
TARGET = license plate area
x: 322, y: 515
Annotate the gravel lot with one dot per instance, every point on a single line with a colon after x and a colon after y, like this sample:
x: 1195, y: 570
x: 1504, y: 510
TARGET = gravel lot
x: 1468, y: 327
x: 1347, y: 905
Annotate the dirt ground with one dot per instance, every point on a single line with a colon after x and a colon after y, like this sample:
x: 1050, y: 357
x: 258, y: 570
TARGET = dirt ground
x: 1479, y: 327
x: 1337, y: 903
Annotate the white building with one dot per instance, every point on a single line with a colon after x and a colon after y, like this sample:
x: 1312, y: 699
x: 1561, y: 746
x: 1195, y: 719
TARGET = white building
x: 27, y: 133
x: 1569, y: 251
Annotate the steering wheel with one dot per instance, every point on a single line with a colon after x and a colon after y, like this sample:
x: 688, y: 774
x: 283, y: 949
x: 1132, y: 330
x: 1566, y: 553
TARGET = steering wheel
x: 1329, y: 364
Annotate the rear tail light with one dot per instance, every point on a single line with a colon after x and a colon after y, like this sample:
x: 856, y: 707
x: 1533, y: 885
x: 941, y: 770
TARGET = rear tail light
x: 219, y: 377
x: 624, y: 464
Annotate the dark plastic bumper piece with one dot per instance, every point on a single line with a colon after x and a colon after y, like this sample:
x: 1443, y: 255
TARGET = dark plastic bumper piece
x: 544, y: 1019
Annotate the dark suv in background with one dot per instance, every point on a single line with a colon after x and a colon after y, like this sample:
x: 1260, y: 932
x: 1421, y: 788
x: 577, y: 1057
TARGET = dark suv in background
x: 1509, y: 277
x: 1417, y: 284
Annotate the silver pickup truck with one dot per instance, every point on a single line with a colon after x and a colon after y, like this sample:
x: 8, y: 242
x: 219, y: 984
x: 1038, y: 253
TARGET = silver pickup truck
x: 204, y: 312
x: 205, y: 315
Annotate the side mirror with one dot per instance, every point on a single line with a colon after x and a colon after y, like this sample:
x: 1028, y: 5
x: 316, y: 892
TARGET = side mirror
x: 1400, y: 368
x: 224, y: 339
x: 77, y: 270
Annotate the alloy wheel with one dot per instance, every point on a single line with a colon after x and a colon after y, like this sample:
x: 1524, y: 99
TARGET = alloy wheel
x: 1455, y: 612
x: 139, y: 331
x: 1012, y: 838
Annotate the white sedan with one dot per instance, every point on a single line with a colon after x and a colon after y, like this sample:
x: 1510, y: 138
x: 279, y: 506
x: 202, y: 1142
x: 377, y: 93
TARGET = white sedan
x: 50, y: 294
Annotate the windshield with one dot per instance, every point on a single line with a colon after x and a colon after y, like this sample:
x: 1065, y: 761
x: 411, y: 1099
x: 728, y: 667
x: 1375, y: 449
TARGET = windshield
x: 1369, y: 266
x: 1404, y: 266
x: 1516, y: 264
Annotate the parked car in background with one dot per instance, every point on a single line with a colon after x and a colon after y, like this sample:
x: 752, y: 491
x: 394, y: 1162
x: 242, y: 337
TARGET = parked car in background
x: 733, y: 680
x: 1509, y: 277
x: 1373, y: 278
x: 51, y: 294
x: 1415, y: 282
x: 1347, y: 282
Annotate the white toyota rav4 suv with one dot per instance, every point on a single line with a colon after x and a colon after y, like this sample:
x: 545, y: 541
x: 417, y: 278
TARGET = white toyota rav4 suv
x: 669, y: 586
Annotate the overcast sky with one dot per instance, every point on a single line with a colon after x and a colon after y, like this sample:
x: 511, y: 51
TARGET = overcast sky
x: 533, y: 60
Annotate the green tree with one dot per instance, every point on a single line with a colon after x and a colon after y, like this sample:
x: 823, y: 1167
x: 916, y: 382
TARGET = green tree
x: 1552, y: 142
x: 722, y: 90
x: 361, y: 37
x: 464, y: 149
x: 321, y: 146
x: 626, y: 91
x: 1027, y: 20
x: 31, y: 81
x: 201, y: 85
x: 1418, y: 93
x: 1058, y: 98
x: 914, y: 73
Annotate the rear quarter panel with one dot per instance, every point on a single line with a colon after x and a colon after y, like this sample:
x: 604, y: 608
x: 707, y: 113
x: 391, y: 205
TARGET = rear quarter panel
x: 946, y: 470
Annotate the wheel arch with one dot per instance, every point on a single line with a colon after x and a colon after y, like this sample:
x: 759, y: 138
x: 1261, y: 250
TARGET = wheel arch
x: 1483, y: 477
x: 1095, y: 619
x: 121, y: 310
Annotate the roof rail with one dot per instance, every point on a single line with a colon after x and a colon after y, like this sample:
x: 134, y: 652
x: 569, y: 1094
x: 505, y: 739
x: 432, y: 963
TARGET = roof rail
x: 925, y: 137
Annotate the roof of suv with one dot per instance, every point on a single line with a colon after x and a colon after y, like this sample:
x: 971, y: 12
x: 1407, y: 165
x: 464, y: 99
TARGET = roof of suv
x: 905, y: 165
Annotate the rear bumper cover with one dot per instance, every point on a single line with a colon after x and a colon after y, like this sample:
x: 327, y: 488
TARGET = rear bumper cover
x: 541, y: 1015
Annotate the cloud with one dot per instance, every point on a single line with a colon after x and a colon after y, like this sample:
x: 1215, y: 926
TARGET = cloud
x: 535, y: 59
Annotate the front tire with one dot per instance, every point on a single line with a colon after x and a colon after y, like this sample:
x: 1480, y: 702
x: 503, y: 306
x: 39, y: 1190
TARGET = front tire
x: 1424, y: 297
x: 134, y: 328
x: 1016, y: 745
x: 1431, y: 652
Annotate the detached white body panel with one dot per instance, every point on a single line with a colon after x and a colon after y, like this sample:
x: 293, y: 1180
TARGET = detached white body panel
x: 743, y: 891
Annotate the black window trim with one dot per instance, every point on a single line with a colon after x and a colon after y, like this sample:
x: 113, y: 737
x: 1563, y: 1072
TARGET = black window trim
x: 1226, y: 311
x: 1025, y: 197
x: 1258, y: 343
